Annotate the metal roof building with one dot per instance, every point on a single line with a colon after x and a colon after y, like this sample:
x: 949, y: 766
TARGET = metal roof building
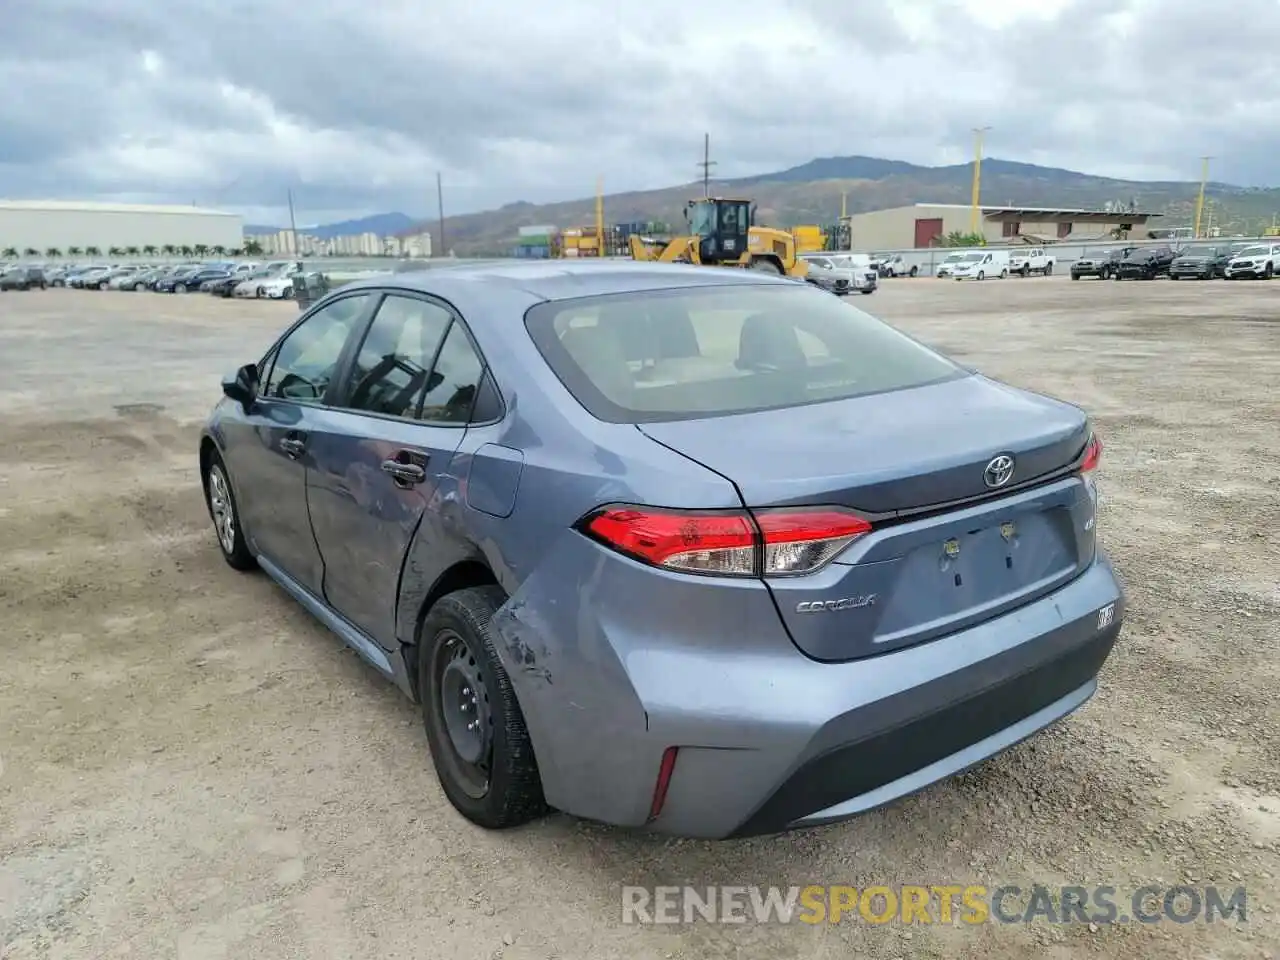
x: 43, y: 225
x: 922, y: 224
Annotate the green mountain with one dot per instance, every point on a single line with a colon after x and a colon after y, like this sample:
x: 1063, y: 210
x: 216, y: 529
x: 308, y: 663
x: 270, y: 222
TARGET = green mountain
x: 811, y: 193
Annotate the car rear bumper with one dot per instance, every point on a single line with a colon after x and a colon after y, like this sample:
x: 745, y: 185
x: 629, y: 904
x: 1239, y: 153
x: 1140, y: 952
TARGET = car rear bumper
x: 768, y: 739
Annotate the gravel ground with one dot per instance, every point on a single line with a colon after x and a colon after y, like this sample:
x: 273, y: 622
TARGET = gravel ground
x: 191, y: 767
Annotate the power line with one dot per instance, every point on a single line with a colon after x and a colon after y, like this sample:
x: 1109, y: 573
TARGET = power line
x: 706, y: 165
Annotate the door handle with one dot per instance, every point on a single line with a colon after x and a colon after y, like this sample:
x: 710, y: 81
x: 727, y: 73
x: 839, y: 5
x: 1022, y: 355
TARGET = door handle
x: 405, y: 474
x: 293, y: 447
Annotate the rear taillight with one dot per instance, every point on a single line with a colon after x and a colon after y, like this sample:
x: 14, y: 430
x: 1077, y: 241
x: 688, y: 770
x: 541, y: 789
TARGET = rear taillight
x: 727, y: 543
x: 1092, y: 454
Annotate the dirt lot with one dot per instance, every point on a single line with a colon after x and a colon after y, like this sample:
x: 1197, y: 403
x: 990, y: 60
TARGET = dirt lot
x: 193, y: 768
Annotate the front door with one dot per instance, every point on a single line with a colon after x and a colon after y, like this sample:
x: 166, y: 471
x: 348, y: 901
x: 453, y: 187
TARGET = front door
x: 267, y: 449
x: 377, y: 457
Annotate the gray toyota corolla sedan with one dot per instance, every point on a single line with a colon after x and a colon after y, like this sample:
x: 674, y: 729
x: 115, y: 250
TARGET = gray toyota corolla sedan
x: 702, y: 550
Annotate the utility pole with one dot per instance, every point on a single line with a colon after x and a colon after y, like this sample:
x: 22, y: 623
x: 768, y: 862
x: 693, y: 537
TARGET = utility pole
x: 1204, y: 179
x: 977, y: 178
x: 440, y: 209
x: 706, y: 165
x: 293, y: 225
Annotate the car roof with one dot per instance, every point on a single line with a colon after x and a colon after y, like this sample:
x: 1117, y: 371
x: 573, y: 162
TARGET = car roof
x: 563, y: 280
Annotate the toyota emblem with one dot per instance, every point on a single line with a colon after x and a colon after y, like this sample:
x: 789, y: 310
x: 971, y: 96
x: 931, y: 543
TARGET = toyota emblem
x: 999, y: 471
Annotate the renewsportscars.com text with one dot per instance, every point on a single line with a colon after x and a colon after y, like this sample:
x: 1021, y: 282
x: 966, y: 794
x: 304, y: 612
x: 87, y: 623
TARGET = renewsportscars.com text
x: 941, y: 903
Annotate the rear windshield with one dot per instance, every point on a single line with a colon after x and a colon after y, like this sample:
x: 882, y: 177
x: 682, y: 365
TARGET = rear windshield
x: 714, y: 351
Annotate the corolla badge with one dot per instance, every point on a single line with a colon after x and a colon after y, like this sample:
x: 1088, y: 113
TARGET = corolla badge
x: 827, y: 606
x: 999, y: 471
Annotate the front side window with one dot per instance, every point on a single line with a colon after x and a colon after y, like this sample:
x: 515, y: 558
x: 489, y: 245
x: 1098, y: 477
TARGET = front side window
x: 391, y: 372
x: 307, y: 358
x: 712, y: 351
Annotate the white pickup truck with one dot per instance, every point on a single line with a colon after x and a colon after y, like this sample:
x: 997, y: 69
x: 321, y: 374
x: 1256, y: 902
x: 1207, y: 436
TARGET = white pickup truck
x: 1025, y: 262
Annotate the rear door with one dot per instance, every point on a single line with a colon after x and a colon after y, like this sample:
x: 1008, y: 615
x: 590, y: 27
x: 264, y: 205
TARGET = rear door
x: 378, y: 453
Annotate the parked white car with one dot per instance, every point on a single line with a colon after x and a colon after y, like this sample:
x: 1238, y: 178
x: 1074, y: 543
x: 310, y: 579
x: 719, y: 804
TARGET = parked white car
x: 275, y: 282
x: 947, y: 264
x: 842, y: 272
x: 892, y: 265
x: 276, y: 288
x: 981, y: 265
x: 1258, y: 260
x: 1028, y: 260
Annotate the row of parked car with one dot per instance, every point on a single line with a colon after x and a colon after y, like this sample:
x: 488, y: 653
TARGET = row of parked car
x: 272, y: 281
x: 1193, y: 261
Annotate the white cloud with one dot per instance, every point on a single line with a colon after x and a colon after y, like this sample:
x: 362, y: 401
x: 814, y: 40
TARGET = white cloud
x: 355, y: 105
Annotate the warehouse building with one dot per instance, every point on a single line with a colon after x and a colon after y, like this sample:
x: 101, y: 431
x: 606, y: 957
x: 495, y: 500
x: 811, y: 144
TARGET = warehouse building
x: 65, y: 225
x: 924, y: 224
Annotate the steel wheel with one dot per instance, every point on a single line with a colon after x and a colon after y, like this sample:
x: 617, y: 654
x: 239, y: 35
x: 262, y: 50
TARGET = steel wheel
x: 460, y: 698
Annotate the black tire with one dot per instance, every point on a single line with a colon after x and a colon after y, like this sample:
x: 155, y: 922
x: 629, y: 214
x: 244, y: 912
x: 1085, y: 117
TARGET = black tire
x: 867, y: 293
x: 1075, y: 276
x: 1026, y: 270
x: 1048, y: 270
x: 1105, y: 273
x: 237, y: 554
x: 913, y: 272
x: 502, y: 788
x: 102, y: 285
x: 179, y: 288
x: 764, y: 265
x: 1268, y: 272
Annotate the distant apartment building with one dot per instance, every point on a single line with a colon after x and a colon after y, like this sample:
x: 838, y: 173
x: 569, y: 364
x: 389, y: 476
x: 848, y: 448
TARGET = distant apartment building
x: 283, y: 243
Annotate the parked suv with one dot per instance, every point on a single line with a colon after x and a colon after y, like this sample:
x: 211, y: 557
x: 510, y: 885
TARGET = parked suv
x: 23, y: 278
x: 1146, y: 263
x: 1101, y: 265
x: 1029, y: 260
x: 529, y: 504
x: 1256, y: 260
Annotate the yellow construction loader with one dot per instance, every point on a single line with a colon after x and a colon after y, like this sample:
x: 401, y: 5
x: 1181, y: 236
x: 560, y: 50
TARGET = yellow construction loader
x: 721, y: 234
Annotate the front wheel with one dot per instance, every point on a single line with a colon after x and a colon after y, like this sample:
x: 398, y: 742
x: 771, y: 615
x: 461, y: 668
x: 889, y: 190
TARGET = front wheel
x: 1268, y: 272
x: 867, y: 293
x: 139, y: 287
x: 1004, y: 274
x: 982, y: 275
x: 479, y: 743
x: 1026, y: 270
x: 226, y: 517
x: 914, y: 271
x: 1048, y: 270
x: 1105, y: 274
x: 180, y: 288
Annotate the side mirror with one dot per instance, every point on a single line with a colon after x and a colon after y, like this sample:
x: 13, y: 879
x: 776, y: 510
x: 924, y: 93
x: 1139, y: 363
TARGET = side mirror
x: 242, y: 386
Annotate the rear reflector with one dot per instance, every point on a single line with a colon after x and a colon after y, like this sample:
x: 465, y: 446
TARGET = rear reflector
x: 667, y: 767
x: 1092, y: 454
x: 727, y: 543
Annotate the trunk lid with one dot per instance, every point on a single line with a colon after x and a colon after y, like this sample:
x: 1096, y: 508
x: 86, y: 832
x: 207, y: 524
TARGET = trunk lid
x: 947, y: 551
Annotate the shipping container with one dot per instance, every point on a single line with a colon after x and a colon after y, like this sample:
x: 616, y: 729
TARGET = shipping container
x: 535, y: 240
x: 541, y: 231
x: 533, y: 251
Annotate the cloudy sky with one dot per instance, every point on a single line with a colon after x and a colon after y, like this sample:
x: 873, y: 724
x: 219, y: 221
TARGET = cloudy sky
x: 355, y: 104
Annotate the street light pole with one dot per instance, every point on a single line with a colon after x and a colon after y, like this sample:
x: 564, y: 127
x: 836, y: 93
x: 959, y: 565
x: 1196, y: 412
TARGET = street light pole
x: 977, y: 177
x: 1204, y: 179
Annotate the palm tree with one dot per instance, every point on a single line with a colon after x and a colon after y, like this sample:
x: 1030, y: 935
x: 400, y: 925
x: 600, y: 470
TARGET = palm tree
x: 31, y: 252
x: 220, y: 250
x: 235, y: 252
x: 74, y: 251
x: 92, y: 252
x: 200, y: 250
x: 170, y: 250
x: 10, y: 253
x: 53, y: 253
x: 185, y: 250
x: 252, y: 247
x: 132, y: 251
x: 149, y: 250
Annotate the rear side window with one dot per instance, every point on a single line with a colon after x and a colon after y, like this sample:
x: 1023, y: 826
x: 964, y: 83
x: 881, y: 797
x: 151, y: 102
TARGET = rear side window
x: 714, y: 351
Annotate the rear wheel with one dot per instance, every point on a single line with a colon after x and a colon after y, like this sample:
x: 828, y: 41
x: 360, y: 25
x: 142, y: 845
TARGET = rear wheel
x: 982, y: 275
x: 764, y: 265
x: 1268, y: 272
x: 914, y: 271
x: 1105, y: 274
x: 180, y: 288
x: 1048, y: 270
x: 1026, y: 270
x: 480, y: 745
x: 1004, y: 274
